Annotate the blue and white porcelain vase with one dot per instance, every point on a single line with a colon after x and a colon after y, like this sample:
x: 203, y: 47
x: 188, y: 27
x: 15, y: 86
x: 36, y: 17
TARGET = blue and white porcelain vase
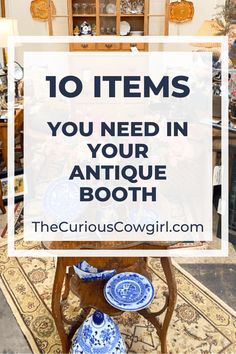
x: 98, y: 334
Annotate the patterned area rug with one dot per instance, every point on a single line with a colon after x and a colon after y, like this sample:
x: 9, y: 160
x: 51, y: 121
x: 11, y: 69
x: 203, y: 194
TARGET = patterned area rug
x: 19, y: 217
x: 201, y: 324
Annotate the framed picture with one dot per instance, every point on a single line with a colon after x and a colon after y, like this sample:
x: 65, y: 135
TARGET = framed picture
x: 19, y: 183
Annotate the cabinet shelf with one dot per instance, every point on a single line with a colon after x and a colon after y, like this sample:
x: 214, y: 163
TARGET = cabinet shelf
x: 131, y: 15
x: 156, y: 15
x: 107, y: 15
x: 84, y: 15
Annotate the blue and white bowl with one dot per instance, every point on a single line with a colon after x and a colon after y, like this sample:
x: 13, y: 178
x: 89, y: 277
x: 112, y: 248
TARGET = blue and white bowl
x: 98, y: 334
x: 87, y: 272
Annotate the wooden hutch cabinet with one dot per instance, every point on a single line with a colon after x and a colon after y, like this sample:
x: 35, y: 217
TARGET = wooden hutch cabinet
x: 106, y: 18
x: 109, y: 17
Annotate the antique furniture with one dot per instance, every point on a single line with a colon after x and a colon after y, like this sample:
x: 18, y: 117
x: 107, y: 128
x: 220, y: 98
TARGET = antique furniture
x: 91, y: 293
x: 2, y: 207
x: 152, y: 19
x: 3, y: 133
x: 3, y: 8
x: 107, y: 18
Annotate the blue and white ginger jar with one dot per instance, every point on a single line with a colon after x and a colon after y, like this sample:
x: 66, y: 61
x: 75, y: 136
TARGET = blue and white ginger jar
x: 98, y: 334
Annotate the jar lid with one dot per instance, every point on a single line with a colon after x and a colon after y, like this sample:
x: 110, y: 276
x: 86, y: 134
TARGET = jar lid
x: 99, y: 334
x: 98, y: 317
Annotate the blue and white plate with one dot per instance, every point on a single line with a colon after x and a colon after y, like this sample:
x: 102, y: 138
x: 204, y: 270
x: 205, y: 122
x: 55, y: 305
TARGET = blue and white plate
x: 129, y: 291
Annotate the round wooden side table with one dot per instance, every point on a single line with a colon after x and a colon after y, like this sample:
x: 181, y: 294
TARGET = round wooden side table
x: 91, y: 293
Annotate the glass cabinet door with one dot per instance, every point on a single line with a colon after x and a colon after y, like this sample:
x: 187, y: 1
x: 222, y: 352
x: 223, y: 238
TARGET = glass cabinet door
x: 108, y: 17
x: 84, y: 7
x: 84, y: 17
x: 132, y: 17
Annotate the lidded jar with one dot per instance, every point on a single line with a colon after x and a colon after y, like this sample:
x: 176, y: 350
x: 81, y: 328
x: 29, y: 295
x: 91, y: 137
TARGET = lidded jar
x: 98, y: 334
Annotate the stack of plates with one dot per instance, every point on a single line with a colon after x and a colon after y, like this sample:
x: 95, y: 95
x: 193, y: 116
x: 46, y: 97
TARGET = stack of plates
x: 129, y: 291
x: 136, y: 33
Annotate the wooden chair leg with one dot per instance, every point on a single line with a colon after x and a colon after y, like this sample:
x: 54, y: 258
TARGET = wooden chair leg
x: 146, y: 313
x: 2, y: 207
x: 56, y: 305
x: 172, y: 297
x: 168, y: 307
x: 67, y: 284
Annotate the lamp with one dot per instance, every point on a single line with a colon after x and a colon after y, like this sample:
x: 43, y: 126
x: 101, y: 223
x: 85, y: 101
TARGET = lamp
x: 8, y: 27
x: 208, y: 28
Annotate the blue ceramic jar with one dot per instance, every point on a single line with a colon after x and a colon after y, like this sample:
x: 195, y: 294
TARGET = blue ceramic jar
x: 98, y: 334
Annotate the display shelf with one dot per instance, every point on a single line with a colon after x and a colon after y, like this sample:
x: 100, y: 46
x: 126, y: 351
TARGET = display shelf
x: 107, y: 15
x: 132, y: 15
x: 105, y: 23
x: 155, y: 15
x: 85, y: 15
x: 97, y: 9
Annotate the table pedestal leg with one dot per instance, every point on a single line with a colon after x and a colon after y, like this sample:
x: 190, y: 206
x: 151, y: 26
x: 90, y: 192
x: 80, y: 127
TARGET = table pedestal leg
x: 172, y: 297
x: 56, y: 305
x: 169, y: 306
x: 67, y: 284
x: 2, y: 207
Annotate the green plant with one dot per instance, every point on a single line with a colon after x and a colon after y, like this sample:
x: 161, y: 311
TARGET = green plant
x: 226, y: 17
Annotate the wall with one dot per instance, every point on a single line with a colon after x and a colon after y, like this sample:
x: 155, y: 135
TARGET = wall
x: 204, y: 10
x: 27, y: 26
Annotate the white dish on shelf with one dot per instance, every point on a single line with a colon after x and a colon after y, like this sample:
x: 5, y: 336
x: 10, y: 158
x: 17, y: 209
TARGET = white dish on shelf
x: 136, y: 33
x: 111, y: 9
x: 124, y: 28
